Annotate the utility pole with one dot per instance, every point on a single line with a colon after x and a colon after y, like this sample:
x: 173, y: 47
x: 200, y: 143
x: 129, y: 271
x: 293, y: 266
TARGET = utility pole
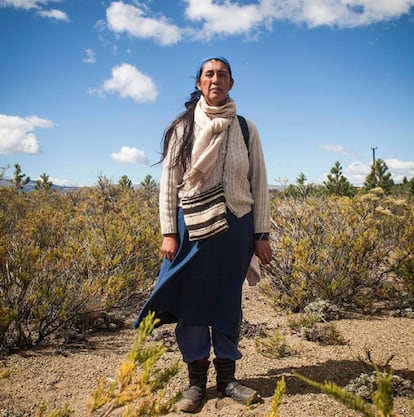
x: 373, y: 148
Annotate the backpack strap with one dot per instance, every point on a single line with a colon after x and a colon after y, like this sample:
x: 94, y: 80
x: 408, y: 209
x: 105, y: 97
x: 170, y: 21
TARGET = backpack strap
x: 244, y: 129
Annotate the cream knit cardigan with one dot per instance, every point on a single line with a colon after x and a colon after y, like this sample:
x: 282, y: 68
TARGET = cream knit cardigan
x: 245, y: 179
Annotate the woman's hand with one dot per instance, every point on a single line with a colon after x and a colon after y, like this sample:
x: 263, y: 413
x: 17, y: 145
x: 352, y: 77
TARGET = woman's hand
x: 263, y: 251
x: 169, y: 246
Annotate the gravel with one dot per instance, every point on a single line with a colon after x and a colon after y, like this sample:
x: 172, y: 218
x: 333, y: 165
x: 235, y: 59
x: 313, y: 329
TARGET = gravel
x: 59, y: 376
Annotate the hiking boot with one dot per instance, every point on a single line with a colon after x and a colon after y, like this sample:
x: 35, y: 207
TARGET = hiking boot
x: 229, y: 387
x: 192, y: 398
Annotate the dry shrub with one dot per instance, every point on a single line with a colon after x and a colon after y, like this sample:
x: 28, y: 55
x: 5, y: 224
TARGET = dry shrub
x: 274, y: 346
x: 349, y: 251
x: 70, y: 259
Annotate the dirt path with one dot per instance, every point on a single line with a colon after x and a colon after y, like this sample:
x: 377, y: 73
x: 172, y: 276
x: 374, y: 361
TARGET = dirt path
x: 69, y: 376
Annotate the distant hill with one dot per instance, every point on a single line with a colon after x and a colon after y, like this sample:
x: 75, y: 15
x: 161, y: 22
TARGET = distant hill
x: 63, y: 188
x: 31, y: 186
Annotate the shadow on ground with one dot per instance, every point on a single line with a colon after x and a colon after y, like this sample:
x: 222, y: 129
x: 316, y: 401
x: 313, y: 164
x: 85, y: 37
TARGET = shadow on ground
x: 339, y: 372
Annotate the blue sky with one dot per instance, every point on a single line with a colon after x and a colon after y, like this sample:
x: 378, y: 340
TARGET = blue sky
x: 88, y: 87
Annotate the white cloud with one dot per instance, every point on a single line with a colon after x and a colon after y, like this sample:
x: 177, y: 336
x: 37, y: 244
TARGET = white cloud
x: 90, y: 56
x: 358, y: 171
x: 232, y: 18
x: 22, y: 4
x: 38, y: 5
x: 346, y: 13
x: 397, y: 164
x: 58, y: 181
x: 339, y: 149
x: 102, y: 30
x: 54, y: 14
x: 61, y: 182
x: 17, y: 134
x: 131, y: 19
x: 129, y: 155
x: 400, y: 169
x: 129, y: 82
x: 229, y: 18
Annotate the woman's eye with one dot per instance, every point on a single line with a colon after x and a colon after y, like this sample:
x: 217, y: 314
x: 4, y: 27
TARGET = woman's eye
x: 221, y: 74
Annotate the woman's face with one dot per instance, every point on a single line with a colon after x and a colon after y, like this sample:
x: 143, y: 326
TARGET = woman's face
x: 215, y: 82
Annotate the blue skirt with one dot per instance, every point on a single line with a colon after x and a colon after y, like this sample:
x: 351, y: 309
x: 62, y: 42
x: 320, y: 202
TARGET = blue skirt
x: 202, y: 285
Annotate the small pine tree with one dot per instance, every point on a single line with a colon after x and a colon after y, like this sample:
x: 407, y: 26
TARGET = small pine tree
x: 148, y: 185
x: 379, y: 177
x: 125, y: 182
x: 337, y: 183
x: 148, y: 191
x: 19, y: 180
x: 43, y: 183
x: 301, y: 180
x: 300, y: 189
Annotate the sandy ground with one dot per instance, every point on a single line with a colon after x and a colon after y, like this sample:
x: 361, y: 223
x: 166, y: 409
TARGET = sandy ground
x: 68, y: 376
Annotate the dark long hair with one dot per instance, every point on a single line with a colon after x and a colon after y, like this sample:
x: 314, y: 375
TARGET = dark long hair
x: 186, y: 118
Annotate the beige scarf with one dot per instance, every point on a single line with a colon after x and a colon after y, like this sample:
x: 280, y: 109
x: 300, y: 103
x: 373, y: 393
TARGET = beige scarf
x: 214, y: 122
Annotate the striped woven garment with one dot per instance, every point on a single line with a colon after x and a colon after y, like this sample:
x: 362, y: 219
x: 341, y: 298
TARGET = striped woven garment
x: 205, y: 213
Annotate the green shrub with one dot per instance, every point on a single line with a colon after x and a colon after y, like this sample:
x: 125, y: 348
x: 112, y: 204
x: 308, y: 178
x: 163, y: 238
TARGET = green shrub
x: 348, y: 251
x: 380, y: 404
x: 68, y: 259
x: 324, y: 334
x: 273, y: 346
x: 314, y: 324
x: 277, y: 398
x: 138, y: 384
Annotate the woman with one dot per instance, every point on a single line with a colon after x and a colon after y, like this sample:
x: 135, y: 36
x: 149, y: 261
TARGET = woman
x: 200, y: 282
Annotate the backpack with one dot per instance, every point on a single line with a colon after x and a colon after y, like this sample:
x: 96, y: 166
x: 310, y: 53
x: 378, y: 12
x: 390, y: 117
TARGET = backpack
x: 245, y: 130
